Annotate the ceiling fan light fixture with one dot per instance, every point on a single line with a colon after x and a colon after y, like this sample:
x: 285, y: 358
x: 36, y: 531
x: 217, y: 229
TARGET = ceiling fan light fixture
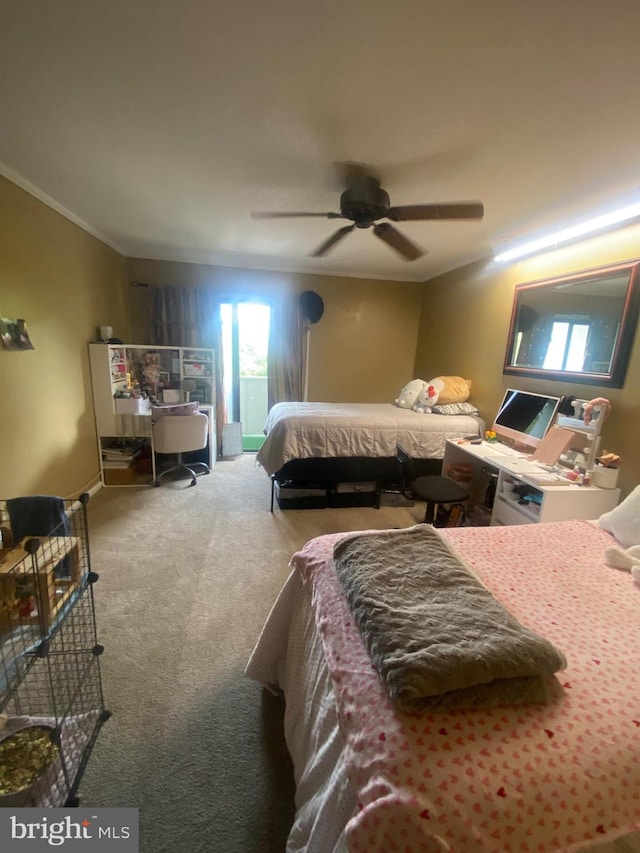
x: 573, y: 232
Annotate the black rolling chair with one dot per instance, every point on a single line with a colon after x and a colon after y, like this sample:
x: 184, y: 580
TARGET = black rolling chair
x: 435, y: 490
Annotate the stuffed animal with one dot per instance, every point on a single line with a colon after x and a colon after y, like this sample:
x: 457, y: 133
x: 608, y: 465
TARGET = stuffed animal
x: 628, y: 560
x: 623, y: 522
x: 421, y: 396
x: 454, y: 389
x: 410, y: 393
x: 428, y: 396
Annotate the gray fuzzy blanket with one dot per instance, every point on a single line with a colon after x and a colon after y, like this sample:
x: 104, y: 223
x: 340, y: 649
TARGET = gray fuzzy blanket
x: 437, y: 637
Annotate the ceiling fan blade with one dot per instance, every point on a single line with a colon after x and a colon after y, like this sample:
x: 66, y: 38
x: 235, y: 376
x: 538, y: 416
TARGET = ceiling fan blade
x: 398, y: 241
x: 323, y: 248
x: 278, y: 215
x: 446, y: 210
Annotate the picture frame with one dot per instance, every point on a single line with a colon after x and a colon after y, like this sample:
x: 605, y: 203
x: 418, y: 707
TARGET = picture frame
x: 14, y: 335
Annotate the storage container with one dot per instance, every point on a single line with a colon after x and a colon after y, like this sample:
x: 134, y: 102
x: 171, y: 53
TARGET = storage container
x: 132, y: 405
x: 605, y: 478
x: 120, y: 476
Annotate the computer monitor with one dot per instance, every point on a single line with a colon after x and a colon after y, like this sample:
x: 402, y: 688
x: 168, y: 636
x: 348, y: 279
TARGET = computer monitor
x: 524, y: 418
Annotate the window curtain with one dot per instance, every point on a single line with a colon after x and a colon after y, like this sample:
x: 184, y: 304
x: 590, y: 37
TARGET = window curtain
x: 287, y: 351
x: 190, y: 317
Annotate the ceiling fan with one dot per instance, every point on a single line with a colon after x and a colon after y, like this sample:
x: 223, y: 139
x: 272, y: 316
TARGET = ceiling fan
x: 364, y: 202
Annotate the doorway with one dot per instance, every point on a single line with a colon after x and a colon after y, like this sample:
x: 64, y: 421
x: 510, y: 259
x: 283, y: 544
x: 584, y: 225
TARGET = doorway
x: 245, y: 347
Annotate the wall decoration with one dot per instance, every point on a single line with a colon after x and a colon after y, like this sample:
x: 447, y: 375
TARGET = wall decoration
x: 14, y: 334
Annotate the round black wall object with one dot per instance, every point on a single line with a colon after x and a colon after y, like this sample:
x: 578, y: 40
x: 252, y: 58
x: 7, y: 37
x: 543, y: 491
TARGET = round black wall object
x: 312, y: 305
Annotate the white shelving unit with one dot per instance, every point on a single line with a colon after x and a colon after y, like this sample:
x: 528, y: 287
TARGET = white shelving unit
x: 518, y: 477
x: 590, y: 433
x: 187, y: 373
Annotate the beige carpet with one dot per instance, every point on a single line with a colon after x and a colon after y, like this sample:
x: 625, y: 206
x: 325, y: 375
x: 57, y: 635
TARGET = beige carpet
x: 187, y: 578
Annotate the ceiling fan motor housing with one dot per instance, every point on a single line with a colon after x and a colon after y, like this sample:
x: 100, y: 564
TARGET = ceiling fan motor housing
x: 364, y: 202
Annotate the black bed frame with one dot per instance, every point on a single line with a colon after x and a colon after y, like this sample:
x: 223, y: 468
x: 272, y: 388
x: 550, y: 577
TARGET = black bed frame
x: 326, y: 474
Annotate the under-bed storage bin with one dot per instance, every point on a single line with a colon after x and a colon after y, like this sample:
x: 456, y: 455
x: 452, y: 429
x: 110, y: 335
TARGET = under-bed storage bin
x: 291, y: 495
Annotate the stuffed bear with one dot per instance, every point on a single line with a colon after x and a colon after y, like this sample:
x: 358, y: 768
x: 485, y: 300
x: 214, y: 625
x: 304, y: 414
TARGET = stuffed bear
x: 428, y: 396
x: 410, y: 393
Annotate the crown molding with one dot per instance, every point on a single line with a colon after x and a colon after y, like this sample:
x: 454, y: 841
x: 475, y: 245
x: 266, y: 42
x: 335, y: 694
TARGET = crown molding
x: 27, y: 186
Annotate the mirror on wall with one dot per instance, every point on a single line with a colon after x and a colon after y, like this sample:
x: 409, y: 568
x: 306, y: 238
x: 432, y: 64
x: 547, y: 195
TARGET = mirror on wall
x: 577, y: 328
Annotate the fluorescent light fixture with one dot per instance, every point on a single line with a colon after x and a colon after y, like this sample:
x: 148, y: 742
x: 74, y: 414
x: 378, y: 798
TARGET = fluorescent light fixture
x: 571, y: 233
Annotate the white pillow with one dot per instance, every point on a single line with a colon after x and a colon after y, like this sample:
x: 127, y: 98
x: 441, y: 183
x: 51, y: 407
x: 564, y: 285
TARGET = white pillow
x: 623, y: 521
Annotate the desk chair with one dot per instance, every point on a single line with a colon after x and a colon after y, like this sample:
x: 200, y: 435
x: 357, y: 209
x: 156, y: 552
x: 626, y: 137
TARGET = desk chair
x: 178, y: 434
x: 433, y: 489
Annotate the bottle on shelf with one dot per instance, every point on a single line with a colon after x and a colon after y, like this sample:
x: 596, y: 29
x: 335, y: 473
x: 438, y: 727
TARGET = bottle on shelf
x: 490, y: 491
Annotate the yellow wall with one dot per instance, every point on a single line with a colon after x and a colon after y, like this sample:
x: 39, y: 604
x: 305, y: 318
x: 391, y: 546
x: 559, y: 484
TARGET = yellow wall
x: 371, y: 340
x: 362, y: 350
x: 64, y: 283
x: 465, y: 323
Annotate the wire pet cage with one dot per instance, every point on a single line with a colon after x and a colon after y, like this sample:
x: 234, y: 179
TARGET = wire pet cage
x: 49, y: 651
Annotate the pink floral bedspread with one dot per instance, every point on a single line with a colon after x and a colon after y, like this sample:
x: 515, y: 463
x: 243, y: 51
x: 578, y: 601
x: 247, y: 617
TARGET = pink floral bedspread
x: 555, y: 778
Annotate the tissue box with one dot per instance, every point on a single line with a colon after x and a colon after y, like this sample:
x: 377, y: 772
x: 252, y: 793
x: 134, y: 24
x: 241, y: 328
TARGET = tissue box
x: 132, y: 405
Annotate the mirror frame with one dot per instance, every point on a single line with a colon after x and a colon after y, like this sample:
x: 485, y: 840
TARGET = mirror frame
x: 624, y: 343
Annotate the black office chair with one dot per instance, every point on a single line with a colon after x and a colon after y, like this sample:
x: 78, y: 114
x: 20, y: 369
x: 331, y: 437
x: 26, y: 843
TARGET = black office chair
x: 435, y: 490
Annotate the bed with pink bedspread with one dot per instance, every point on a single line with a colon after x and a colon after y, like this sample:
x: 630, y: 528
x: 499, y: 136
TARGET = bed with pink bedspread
x: 564, y: 776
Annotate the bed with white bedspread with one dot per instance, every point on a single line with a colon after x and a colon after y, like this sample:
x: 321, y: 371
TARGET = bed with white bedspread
x: 331, y: 443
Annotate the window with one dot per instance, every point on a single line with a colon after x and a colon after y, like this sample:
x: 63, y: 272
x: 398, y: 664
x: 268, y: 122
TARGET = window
x: 568, y: 345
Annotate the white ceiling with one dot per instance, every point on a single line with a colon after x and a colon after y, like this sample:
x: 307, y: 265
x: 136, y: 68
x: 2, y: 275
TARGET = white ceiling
x: 161, y: 125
